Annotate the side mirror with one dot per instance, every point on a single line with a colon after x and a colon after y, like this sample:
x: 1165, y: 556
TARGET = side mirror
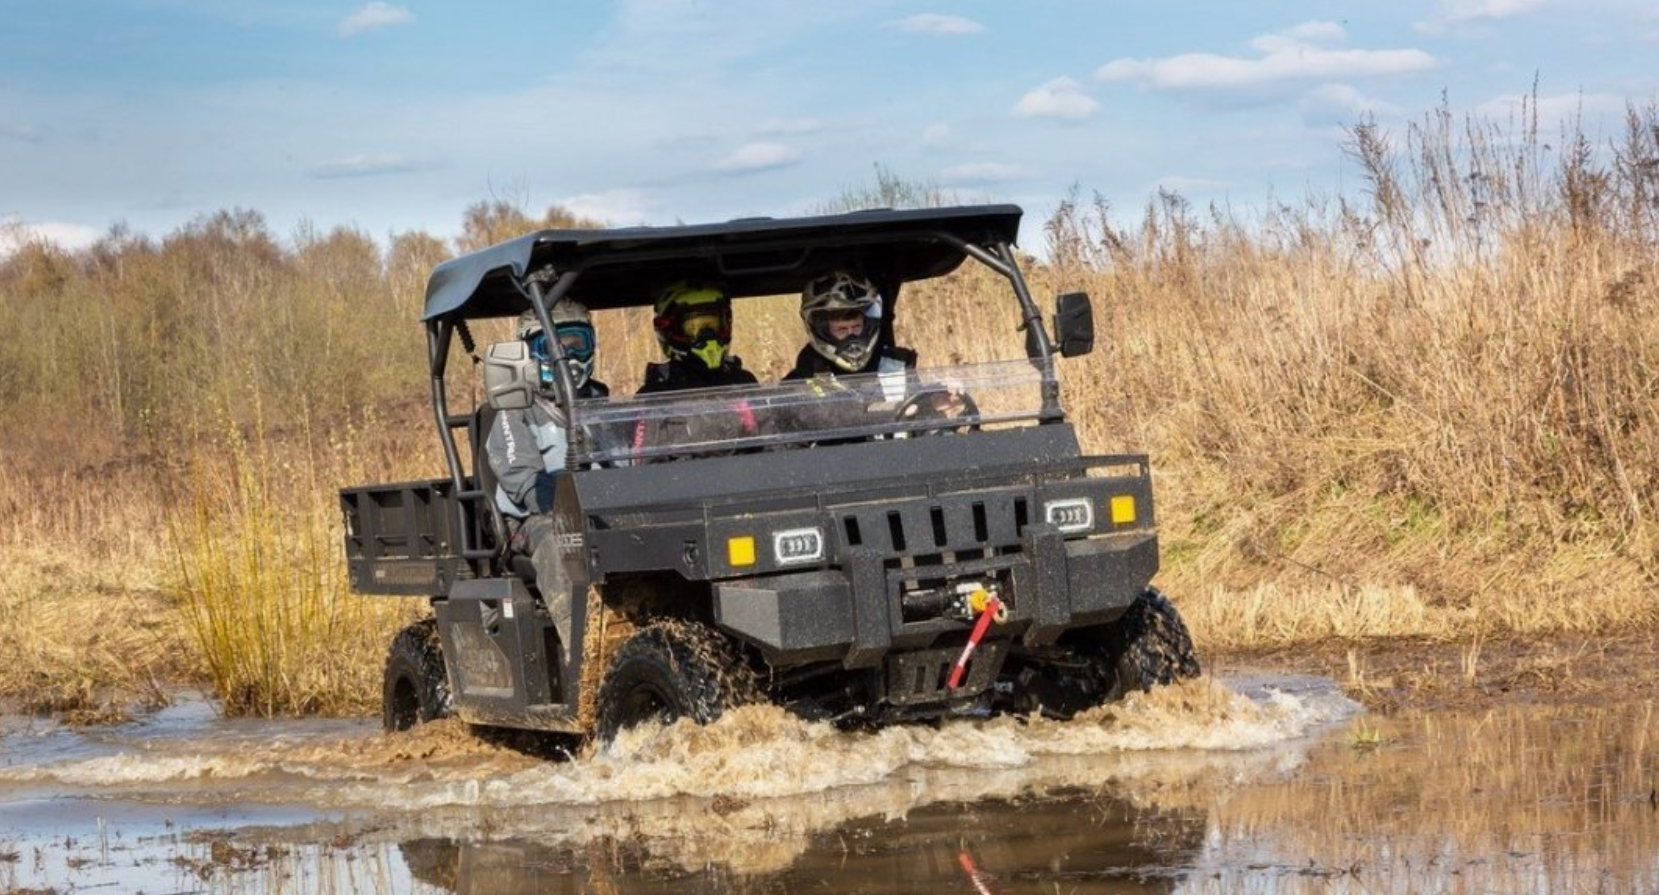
x: 1074, y: 324
x: 510, y: 376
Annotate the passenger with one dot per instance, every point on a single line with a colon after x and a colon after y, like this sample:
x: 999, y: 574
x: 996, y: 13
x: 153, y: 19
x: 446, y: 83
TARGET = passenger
x: 693, y: 323
x: 694, y: 327
x: 526, y: 451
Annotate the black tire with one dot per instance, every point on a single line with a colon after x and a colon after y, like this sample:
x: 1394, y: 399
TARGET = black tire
x: 415, y: 689
x: 1147, y: 646
x: 672, y: 670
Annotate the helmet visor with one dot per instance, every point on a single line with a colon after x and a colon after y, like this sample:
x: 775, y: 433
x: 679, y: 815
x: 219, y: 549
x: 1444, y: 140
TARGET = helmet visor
x: 842, y: 326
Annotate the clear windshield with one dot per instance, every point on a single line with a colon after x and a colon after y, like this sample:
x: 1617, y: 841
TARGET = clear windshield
x: 815, y: 411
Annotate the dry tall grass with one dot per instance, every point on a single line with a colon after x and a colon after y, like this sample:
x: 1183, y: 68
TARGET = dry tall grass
x: 1430, y: 411
x: 1451, y: 390
x: 258, y: 555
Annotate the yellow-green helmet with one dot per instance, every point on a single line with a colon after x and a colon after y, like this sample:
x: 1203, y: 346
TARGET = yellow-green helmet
x: 694, y: 323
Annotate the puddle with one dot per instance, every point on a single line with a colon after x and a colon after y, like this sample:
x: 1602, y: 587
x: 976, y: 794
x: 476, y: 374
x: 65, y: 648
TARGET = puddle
x: 1261, y: 783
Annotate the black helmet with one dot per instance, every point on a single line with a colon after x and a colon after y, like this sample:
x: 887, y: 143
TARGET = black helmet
x: 694, y: 321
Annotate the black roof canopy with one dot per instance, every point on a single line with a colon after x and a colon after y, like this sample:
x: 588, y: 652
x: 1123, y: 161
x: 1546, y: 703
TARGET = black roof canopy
x: 628, y: 267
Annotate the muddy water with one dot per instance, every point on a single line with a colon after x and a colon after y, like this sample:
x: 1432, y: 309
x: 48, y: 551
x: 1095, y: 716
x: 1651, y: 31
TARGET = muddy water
x: 1250, y: 784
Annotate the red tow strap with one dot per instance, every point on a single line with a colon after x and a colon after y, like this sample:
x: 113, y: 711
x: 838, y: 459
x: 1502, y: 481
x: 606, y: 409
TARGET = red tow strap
x: 992, y: 607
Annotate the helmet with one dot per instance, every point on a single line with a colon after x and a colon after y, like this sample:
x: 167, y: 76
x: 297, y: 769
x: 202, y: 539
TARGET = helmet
x: 694, y: 322
x: 829, y: 307
x: 575, y: 331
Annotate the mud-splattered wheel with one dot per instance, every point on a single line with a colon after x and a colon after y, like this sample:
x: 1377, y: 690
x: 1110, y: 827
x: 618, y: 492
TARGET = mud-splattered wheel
x: 415, y: 688
x: 1148, y: 646
x: 672, y: 670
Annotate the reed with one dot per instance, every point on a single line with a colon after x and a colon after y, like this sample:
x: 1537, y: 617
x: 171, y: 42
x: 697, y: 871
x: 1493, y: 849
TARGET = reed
x: 261, y: 584
x: 1427, y: 410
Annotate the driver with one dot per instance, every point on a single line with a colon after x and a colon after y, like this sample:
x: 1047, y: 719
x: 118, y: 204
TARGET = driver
x: 842, y: 313
x: 526, y: 450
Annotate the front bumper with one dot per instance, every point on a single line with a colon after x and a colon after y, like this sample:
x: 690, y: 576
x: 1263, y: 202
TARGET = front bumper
x: 855, y: 614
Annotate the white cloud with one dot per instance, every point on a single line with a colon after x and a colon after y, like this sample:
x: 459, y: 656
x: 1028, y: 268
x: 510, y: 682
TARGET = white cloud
x: 1286, y: 56
x: 937, y: 135
x: 935, y: 23
x: 983, y: 172
x: 1299, y: 36
x: 1188, y: 186
x: 619, y: 208
x: 15, y: 234
x: 1452, y: 13
x: 23, y: 133
x: 373, y: 17
x: 790, y: 127
x: 759, y: 157
x: 1553, y: 110
x: 366, y: 166
x: 1339, y: 105
x: 1317, y: 30
x: 1061, y: 98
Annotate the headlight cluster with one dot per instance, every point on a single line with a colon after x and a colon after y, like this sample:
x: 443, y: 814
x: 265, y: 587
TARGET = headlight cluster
x: 791, y: 547
x: 798, y: 545
x: 1070, y: 515
x: 1075, y: 514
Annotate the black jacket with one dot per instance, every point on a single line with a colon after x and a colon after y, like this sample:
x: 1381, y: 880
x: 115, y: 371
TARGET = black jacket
x: 810, y: 363
x: 671, y: 376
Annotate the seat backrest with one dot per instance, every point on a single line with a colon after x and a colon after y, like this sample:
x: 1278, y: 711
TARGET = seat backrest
x: 484, y: 474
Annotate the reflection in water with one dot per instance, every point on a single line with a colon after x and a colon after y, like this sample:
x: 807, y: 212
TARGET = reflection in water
x: 1090, y: 844
x: 1517, y: 799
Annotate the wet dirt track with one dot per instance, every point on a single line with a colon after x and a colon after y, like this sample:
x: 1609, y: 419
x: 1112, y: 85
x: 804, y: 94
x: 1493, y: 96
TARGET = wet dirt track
x: 1256, y: 783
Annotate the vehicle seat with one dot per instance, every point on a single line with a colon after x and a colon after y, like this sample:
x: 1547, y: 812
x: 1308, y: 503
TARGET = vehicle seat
x: 483, y: 473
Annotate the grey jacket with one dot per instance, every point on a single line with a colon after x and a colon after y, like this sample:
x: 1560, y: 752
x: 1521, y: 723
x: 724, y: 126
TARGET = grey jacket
x: 526, y: 449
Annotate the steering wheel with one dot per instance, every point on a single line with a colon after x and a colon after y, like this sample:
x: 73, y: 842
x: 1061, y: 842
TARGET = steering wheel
x: 925, y: 404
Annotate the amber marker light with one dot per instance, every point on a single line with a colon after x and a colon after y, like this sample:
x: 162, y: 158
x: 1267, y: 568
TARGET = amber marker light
x: 1123, y: 509
x: 741, y: 551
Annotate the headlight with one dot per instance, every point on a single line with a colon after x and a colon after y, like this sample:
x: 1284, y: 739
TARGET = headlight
x: 1070, y: 515
x: 798, y: 545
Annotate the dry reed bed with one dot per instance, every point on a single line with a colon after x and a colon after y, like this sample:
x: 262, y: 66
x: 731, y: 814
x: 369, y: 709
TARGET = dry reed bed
x: 1434, y: 412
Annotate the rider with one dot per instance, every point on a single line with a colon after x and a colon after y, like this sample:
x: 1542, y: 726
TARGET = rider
x: 693, y: 323
x: 694, y: 327
x: 843, y: 314
x: 526, y: 449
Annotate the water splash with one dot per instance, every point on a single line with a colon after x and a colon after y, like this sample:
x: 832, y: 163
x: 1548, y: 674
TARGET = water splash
x: 754, y: 753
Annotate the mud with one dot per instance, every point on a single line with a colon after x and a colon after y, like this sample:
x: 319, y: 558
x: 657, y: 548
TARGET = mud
x: 1252, y: 782
x: 1405, y: 674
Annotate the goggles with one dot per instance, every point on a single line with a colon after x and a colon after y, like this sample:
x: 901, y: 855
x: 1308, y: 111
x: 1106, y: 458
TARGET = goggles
x: 689, y: 325
x: 576, y: 339
x: 697, y: 321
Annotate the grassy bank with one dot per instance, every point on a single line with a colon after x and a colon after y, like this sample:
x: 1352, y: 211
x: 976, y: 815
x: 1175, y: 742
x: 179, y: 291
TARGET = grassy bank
x: 1428, y: 411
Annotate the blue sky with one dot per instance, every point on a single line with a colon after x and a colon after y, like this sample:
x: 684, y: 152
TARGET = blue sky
x: 394, y: 116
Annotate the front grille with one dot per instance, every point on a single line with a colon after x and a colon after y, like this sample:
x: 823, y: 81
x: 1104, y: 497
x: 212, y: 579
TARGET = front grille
x: 980, y: 522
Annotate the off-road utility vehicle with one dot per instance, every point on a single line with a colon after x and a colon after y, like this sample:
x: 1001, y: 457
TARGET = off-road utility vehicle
x: 838, y: 546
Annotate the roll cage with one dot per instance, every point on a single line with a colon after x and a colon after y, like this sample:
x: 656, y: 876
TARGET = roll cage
x: 751, y: 257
